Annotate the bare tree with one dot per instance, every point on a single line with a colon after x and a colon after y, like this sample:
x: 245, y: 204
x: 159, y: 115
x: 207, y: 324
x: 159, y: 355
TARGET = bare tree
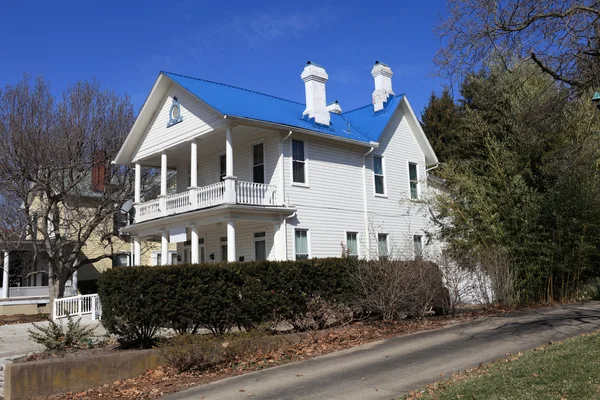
x: 56, y: 179
x: 561, y: 37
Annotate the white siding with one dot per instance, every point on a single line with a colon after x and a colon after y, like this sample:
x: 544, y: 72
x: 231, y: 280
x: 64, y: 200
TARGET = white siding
x: 198, y: 119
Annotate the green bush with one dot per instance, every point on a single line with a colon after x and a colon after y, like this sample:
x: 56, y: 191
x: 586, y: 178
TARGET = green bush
x: 55, y: 337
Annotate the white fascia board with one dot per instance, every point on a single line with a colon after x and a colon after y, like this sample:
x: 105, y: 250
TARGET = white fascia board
x: 430, y: 156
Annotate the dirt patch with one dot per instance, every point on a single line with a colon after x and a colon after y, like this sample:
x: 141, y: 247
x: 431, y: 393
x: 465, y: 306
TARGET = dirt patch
x: 22, y: 318
x: 156, y: 383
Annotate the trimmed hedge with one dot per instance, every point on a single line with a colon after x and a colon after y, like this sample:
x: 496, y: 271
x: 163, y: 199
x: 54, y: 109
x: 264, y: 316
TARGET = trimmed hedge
x: 137, y: 301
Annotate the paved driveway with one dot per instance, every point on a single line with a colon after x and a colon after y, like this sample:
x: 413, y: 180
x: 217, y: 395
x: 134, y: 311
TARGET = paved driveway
x: 390, y: 368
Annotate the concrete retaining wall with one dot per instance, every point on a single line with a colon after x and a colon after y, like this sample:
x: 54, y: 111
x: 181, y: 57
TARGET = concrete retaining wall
x: 46, y: 377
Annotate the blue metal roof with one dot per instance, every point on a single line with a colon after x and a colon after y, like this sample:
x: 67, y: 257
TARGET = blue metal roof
x: 361, y: 124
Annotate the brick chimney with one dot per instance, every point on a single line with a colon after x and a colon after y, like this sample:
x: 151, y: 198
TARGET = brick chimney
x: 382, y: 74
x: 315, y: 77
x: 99, y: 175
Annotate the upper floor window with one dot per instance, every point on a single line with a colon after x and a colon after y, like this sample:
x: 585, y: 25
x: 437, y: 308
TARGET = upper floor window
x: 301, y: 244
x: 378, y: 174
x: 382, y: 246
x: 352, y: 244
x: 258, y: 163
x: 298, y: 161
x: 222, y: 167
x: 413, y: 178
x: 418, y: 243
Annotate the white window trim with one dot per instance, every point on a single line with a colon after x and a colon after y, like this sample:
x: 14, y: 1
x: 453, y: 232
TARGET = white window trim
x: 254, y: 240
x: 408, y: 163
x: 261, y: 141
x: 306, y: 158
x: 157, y: 252
x: 221, y: 248
x: 357, y: 241
x: 387, y: 244
x: 307, y: 239
x: 385, y: 186
x: 219, y: 165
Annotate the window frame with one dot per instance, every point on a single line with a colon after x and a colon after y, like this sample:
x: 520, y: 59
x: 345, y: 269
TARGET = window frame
x: 357, y: 255
x: 222, y: 242
x: 418, y: 256
x: 306, y: 181
x: 126, y: 254
x: 263, y: 239
x: 408, y: 164
x: 201, y: 245
x: 387, y: 245
x: 264, y: 163
x: 308, y: 256
x: 383, y: 175
x: 221, y: 178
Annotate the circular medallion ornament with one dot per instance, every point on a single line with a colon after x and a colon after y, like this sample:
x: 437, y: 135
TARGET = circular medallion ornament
x: 175, y: 113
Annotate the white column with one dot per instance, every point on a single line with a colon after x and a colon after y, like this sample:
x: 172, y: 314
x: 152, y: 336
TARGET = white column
x: 137, y: 251
x: 195, y: 245
x: 231, y: 241
x: 164, y: 249
x: 194, y: 164
x: 74, y: 282
x: 5, y: 276
x: 138, y: 184
x: 163, y: 183
x: 230, y: 196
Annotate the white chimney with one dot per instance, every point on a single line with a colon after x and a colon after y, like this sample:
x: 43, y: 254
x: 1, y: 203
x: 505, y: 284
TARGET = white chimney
x: 335, y: 107
x: 382, y: 73
x: 314, y: 77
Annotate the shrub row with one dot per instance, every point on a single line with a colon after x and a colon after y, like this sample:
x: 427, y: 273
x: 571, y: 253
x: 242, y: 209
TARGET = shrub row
x: 138, y: 301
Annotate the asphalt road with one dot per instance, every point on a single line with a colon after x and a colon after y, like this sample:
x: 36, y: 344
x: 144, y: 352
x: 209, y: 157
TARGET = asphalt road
x: 390, y: 368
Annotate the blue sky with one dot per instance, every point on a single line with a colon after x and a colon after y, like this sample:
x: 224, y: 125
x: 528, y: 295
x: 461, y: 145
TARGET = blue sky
x: 256, y: 45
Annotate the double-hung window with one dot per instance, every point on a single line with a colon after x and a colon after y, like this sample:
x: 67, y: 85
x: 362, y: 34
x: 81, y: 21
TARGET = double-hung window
x: 258, y: 163
x: 413, y: 179
x: 382, y: 246
x: 378, y: 174
x: 352, y: 244
x: 301, y: 244
x: 260, y: 246
x: 222, y: 167
x: 418, y: 243
x: 298, y: 161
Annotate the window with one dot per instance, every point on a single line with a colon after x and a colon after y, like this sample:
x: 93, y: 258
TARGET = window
x: 414, y: 181
x: 224, y: 248
x: 121, y: 260
x: 382, y: 246
x: 187, y: 255
x: 418, y: 243
x: 158, y: 259
x: 258, y: 163
x: 298, y: 161
x: 260, y: 246
x: 378, y: 173
x: 222, y: 167
x: 352, y: 244
x: 301, y: 244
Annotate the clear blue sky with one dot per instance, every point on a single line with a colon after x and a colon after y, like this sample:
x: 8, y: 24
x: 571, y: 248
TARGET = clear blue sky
x: 255, y: 45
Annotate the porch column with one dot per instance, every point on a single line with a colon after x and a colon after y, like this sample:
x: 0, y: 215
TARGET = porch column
x: 5, y: 276
x: 193, y: 174
x: 230, y: 179
x: 163, y: 183
x: 231, y: 241
x: 195, y: 245
x: 164, y: 249
x: 138, y: 184
x: 137, y: 251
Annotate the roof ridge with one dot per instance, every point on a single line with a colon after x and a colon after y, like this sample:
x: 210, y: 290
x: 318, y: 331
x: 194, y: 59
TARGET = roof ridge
x: 358, y: 108
x: 235, y: 87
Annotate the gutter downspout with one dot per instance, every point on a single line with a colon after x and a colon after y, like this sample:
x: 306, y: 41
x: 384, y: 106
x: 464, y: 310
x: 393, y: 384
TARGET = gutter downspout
x: 434, y: 167
x: 367, y: 238
x: 282, y: 192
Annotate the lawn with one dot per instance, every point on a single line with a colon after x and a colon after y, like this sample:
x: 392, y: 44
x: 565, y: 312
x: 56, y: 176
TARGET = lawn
x: 566, y: 370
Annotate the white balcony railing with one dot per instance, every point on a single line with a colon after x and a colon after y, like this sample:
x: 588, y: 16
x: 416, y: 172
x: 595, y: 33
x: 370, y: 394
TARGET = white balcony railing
x: 247, y: 193
x: 256, y: 194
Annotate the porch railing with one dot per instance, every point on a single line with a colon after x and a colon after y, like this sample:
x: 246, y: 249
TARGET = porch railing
x: 256, y: 194
x: 248, y: 193
x: 34, y: 291
x: 78, y: 306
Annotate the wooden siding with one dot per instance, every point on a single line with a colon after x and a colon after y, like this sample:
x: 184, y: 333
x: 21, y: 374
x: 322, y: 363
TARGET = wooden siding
x: 198, y: 119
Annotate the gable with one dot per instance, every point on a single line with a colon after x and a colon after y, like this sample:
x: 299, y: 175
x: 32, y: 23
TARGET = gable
x: 197, y: 119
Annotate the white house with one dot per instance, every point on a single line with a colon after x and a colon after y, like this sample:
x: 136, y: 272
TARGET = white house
x: 260, y: 177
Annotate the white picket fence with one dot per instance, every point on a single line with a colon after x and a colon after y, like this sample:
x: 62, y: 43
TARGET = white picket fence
x: 77, y: 306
